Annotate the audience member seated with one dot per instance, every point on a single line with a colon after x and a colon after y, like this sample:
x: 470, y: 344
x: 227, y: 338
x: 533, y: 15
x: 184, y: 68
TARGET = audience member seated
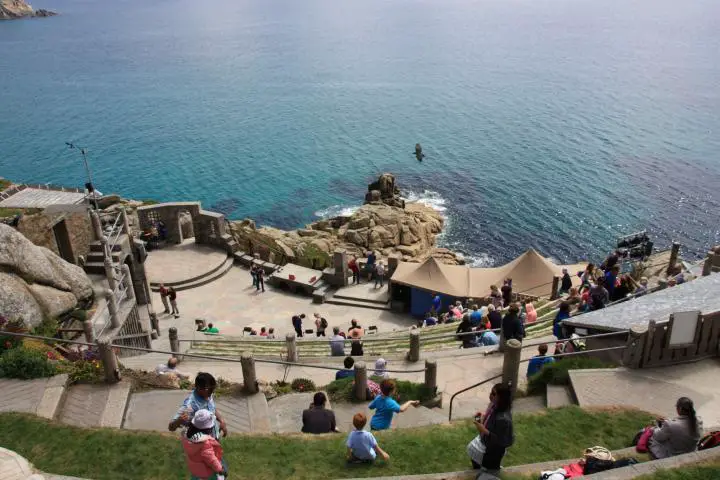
x: 362, y: 447
x: 385, y: 406
x: 486, y: 337
x: 355, y: 330
x: 211, y: 329
x: 347, y: 371
x: 495, y: 317
x: 678, y: 435
x: 356, y: 348
x: 380, y: 365
x: 429, y: 320
x: 642, y: 288
x: 536, y: 363
x: 317, y: 419
x: 271, y: 334
x: 573, y: 298
x: 566, y: 282
x: 253, y: 332
x: 531, y: 313
x: 456, y: 310
x: 563, y: 314
x: 337, y: 343
x: 475, y: 316
x: 512, y: 325
x: 170, y: 368
x: 465, y: 327
x: 263, y: 332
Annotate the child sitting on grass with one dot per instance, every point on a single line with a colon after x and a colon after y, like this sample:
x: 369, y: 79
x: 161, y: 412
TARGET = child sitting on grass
x: 361, y: 445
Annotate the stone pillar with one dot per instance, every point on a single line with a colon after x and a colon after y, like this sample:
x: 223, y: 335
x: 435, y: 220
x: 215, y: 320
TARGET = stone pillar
x: 89, y: 331
x: 105, y: 247
x: 154, y: 325
x: 393, y: 262
x: 125, y: 221
x: 96, y: 225
x: 248, y: 371
x: 174, y: 343
x: 511, y: 364
x: 112, y: 308
x: 360, y: 389
x: 110, y: 273
x: 291, y: 345
x: 501, y: 343
x: 554, y: 293
x: 109, y: 361
x: 674, y: 252
x: 708, y: 265
x: 414, y: 354
x: 127, y: 282
x: 431, y: 375
x: 340, y: 263
x: 635, y: 348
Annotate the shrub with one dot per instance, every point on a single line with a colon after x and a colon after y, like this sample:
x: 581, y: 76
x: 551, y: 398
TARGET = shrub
x: 556, y: 373
x: 4, y: 183
x: 79, y: 314
x: 342, y: 390
x: 47, y: 328
x: 8, y: 342
x: 303, y: 385
x: 25, y: 364
x: 83, y: 371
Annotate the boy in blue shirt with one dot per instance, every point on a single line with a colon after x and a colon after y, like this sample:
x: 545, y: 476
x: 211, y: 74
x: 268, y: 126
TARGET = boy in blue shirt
x: 385, y: 406
x: 361, y: 445
x: 537, y: 362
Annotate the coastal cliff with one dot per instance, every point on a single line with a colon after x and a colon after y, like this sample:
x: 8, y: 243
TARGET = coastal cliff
x: 12, y: 9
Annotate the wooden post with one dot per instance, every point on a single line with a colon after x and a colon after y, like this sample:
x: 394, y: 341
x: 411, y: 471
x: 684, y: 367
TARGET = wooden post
x: 125, y: 221
x: 109, y: 361
x: 112, y: 309
x: 291, y: 345
x: 554, y: 293
x: 431, y: 375
x: 511, y: 364
x: 89, y: 331
x: 414, y: 354
x: 174, y: 342
x: 635, y: 347
x: 707, y: 266
x: 154, y: 325
x: 248, y: 371
x: 360, y: 390
x: 501, y: 343
x: 674, y: 252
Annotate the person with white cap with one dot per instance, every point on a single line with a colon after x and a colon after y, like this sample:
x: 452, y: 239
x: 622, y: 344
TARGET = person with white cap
x: 203, y: 452
x: 380, y: 371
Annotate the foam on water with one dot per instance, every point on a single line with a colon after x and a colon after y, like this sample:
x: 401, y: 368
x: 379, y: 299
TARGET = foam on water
x: 430, y: 198
x: 337, y: 211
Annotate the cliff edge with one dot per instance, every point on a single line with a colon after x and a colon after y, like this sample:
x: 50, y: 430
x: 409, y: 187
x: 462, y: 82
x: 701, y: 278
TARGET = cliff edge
x: 12, y: 9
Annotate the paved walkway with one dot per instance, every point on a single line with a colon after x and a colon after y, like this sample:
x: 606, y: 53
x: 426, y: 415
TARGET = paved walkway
x: 182, y: 262
x: 39, y: 198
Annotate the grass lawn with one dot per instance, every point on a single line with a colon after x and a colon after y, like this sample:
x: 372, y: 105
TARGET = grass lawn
x: 702, y: 471
x: 119, y: 454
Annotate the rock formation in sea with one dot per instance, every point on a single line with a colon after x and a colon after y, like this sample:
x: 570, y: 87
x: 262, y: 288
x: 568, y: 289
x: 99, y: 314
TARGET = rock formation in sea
x: 35, y: 282
x: 12, y: 9
x: 385, y: 224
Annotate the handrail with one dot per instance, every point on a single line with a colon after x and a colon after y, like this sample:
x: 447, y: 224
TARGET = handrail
x: 114, y: 236
x: 584, y: 352
x: 582, y: 337
x: 193, y: 355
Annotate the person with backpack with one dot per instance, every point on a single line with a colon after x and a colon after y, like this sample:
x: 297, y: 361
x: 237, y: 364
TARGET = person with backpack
x: 320, y: 325
x: 598, y: 296
x: 678, y: 435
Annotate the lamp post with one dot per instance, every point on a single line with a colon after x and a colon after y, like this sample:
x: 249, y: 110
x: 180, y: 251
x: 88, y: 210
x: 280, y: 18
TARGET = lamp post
x: 90, y: 187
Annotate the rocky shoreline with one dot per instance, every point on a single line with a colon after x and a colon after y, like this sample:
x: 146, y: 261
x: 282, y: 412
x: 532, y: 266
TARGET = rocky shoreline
x: 14, y: 9
x: 386, y: 224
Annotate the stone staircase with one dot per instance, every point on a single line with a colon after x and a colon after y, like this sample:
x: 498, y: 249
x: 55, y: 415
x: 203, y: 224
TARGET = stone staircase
x: 95, y: 258
x: 211, y: 275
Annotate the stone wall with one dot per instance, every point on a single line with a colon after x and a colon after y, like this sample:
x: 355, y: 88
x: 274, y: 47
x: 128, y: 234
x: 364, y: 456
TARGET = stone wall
x: 170, y: 215
x: 38, y: 228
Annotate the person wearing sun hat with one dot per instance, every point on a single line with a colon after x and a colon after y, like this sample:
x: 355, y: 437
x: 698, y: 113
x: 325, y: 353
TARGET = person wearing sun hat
x: 203, y: 452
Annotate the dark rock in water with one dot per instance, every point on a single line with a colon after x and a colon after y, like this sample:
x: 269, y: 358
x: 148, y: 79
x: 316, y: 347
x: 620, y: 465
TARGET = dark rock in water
x: 226, y: 206
x: 44, y: 13
x: 385, y: 191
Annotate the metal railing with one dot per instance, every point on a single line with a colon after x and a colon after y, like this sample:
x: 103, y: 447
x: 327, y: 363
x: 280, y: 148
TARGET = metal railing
x: 559, y: 355
x: 114, y: 232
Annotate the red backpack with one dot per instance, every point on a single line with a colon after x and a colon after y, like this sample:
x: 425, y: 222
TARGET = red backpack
x: 710, y: 440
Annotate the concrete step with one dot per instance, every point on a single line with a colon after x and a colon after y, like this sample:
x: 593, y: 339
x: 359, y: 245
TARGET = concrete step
x: 336, y: 300
x: 42, y: 396
x: 97, y: 268
x: 155, y: 286
x: 97, y: 247
x: 99, y: 257
x: 339, y: 295
x: 557, y: 396
x: 95, y: 405
x: 201, y: 280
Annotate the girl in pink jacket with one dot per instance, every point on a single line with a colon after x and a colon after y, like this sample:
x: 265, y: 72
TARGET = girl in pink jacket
x: 202, y: 452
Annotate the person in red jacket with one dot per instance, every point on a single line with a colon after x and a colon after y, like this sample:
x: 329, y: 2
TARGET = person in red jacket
x: 203, y: 452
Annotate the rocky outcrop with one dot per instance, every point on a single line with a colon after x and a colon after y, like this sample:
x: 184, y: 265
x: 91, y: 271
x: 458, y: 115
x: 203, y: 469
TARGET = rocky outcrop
x: 35, y: 282
x: 385, y: 224
x: 11, y: 9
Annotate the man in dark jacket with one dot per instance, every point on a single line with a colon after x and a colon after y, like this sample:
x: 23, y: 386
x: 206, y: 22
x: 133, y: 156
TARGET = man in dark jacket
x: 297, y: 324
x: 495, y: 317
x: 317, y: 419
x: 566, y: 282
x: 511, y: 325
x: 506, y: 290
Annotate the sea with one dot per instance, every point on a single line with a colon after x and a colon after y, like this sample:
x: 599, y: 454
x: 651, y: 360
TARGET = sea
x: 553, y: 124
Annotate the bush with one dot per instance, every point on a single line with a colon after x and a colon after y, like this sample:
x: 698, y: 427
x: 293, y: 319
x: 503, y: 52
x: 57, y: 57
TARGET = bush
x: 83, y: 371
x: 556, y: 373
x: 342, y: 390
x: 79, y: 314
x: 47, y: 328
x: 25, y: 364
x: 8, y: 342
x: 4, y: 183
x: 303, y: 385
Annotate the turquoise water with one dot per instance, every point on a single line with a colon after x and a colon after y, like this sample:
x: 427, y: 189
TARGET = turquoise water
x: 557, y: 124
